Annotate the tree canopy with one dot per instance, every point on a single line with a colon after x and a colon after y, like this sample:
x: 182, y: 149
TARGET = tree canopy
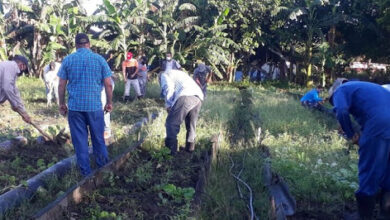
x: 320, y: 36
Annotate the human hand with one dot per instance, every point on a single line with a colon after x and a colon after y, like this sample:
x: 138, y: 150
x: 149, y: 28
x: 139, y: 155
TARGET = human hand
x: 108, y: 107
x: 63, y: 109
x: 355, y: 139
x: 26, y: 117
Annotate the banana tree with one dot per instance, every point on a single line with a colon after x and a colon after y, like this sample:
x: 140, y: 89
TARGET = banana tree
x: 214, y: 46
x: 173, y: 22
x: 315, y: 18
x: 120, y: 22
x: 3, y: 45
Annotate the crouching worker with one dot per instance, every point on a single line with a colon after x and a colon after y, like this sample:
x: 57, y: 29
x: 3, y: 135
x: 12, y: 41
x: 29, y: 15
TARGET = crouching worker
x: 312, y: 98
x: 369, y: 104
x: 9, y: 71
x: 183, y: 100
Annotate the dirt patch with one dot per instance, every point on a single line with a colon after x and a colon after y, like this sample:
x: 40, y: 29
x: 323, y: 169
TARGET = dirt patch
x: 151, y: 185
x: 23, y: 162
x: 310, y: 210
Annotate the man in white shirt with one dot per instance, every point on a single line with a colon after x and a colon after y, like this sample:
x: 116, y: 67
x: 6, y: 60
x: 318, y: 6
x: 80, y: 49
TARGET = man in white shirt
x: 183, y: 100
x: 51, y: 81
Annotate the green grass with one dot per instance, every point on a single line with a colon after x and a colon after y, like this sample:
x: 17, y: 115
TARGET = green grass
x: 305, y: 149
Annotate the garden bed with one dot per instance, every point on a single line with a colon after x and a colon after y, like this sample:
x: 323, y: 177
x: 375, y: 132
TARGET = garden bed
x: 148, y: 184
x: 23, y: 162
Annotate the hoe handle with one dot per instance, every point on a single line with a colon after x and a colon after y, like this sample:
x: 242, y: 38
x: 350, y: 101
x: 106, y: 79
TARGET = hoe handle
x: 42, y: 132
x: 39, y: 129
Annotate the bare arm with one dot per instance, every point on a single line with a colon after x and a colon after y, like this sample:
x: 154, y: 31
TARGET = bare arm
x: 61, y: 96
x: 108, y: 88
x: 124, y: 71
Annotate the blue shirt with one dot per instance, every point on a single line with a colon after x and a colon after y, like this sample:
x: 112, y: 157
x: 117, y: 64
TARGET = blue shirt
x: 311, y: 96
x: 85, y: 72
x: 369, y: 103
x: 176, y: 83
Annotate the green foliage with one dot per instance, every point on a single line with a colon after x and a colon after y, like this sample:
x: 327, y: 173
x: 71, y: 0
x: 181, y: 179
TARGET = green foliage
x: 179, y: 194
x: 162, y: 154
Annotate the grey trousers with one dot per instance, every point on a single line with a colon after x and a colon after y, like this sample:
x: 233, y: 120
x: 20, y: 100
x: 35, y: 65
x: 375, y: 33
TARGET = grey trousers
x: 186, y: 108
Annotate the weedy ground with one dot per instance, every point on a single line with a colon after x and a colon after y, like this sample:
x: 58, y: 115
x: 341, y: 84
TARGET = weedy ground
x: 304, y: 146
x: 151, y: 185
x: 23, y: 162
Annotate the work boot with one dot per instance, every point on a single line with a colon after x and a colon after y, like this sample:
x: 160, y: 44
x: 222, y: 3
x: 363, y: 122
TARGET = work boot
x: 190, y: 147
x: 174, y: 149
x: 126, y: 98
x: 384, y: 206
x: 171, y: 144
x: 139, y: 97
x: 366, y: 205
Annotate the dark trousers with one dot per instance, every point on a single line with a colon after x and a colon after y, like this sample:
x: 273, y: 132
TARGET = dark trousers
x: 186, y: 108
x: 79, y: 122
x: 374, y: 165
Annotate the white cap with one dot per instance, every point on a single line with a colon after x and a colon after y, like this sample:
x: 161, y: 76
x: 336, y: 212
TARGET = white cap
x: 336, y: 85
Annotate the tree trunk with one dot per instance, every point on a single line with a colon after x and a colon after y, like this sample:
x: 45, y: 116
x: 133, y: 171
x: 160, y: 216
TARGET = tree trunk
x: 36, y: 54
x: 230, y: 68
x: 332, y: 37
x: 309, y: 54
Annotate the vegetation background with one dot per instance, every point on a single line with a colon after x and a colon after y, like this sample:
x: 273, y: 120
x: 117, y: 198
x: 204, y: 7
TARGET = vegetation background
x: 320, y: 36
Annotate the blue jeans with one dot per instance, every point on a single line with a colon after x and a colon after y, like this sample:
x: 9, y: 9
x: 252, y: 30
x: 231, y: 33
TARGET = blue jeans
x: 374, y: 165
x: 79, y: 122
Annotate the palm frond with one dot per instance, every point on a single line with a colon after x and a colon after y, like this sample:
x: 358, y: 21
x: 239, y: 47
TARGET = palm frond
x: 187, y: 7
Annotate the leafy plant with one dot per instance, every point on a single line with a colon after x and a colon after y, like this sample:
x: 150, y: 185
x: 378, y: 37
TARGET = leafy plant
x: 162, y: 154
x: 179, y: 194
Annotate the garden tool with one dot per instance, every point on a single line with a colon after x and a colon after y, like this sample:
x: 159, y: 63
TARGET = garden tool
x: 40, y: 130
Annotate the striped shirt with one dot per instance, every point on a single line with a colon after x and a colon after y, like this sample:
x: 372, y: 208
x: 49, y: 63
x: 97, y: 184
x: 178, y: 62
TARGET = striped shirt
x: 176, y: 83
x: 85, y: 72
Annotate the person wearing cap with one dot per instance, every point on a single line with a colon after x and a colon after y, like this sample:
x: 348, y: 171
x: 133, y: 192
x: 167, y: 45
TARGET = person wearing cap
x: 169, y: 63
x: 201, y: 76
x: 183, y: 100
x: 130, y: 76
x: 386, y: 86
x: 312, y: 98
x: 9, y: 71
x: 84, y: 73
x: 369, y: 105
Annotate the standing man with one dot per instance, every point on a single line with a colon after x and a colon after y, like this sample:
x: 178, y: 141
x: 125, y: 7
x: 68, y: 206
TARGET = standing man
x: 169, y: 63
x: 84, y: 73
x: 51, y: 81
x: 183, y: 99
x: 369, y: 104
x: 142, y: 75
x: 9, y: 71
x: 130, y: 75
x: 202, y: 76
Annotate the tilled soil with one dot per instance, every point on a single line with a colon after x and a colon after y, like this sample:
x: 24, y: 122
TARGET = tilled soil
x: 135, y: 191
x: 23, y: 162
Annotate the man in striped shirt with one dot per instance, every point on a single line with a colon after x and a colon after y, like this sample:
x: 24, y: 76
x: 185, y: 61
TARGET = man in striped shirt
x: 183, y: 100
x: 84, y: 73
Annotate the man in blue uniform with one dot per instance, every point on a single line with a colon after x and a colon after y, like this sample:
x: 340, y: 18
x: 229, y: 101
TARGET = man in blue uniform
x: 312, y: 98
x: 369, y: 104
